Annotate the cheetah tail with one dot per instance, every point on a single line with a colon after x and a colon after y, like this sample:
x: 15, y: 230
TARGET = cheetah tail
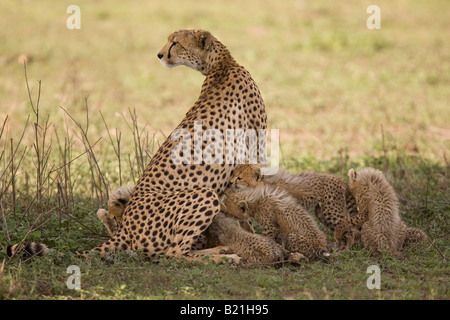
x: 27, y: 249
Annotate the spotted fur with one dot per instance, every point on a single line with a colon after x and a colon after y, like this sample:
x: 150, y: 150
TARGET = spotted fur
x: 377, y: 199
x: 252, y: 248
x: 327, y: 195
x: 281, y: 216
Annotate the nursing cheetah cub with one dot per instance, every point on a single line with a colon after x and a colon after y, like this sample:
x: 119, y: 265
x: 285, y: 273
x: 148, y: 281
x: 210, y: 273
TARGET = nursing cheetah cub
x: 281, y: 217
x: 384, y: 228
x: 327, y: 195
x: 251, y: 247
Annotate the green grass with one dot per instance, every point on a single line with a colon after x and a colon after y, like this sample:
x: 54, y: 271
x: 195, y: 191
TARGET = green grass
x: 342, y: 96
x: 422, y: 274
x: 130, y: 279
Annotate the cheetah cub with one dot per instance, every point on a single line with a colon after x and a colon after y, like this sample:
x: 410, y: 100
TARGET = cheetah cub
x: 384, y: 228
x: 251, y: 247
x: 118, y: 200
x: 327, y: 195
x: 281, y: 216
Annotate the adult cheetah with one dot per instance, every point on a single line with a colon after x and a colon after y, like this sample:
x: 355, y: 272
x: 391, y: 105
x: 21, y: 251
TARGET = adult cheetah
x: 175, y: 201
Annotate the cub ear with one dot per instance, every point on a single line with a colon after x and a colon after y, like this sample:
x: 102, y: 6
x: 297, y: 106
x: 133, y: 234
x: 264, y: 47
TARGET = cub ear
x: 243, y: 206
x: 352, y: 175
x: 223, y: 207
x: 258, y: 174
x: 204, y: 39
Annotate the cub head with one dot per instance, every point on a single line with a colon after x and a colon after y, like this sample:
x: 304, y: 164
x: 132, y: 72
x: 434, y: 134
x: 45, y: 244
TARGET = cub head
x: 357, y: 189
x: 235, y: 205
x: 246, y: 176
x: 187, y: 47
x: 116, y: 208
x: 364, y: 183
x: 365, y: 177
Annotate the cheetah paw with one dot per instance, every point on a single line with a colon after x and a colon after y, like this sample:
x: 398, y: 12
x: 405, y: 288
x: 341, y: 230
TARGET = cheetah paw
x: 233, y: 258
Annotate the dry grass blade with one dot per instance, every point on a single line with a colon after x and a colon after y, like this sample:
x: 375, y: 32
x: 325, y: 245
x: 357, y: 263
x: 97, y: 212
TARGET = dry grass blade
x: 116, y: 149
x: 100, y: 186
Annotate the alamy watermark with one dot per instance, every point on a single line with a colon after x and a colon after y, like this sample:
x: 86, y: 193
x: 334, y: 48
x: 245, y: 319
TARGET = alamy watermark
x: 374, y: 20
x: 73, y: 281
x: 374, y: 280
x: 74, y: 20
x: 233, y: 146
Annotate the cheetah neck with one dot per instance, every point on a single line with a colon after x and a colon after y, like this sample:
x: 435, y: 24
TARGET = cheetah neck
x: 218, y: 58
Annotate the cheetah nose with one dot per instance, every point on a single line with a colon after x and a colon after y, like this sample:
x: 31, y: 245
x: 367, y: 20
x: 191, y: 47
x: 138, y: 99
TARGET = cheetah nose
x: 160, y: 55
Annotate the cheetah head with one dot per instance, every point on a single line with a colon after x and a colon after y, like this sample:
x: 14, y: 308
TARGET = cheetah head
x: 234, y: 204
x: 361, y: 184
x: 187, y: 47
x: 118, y: 200
x: 246, y: 176
x: 365, y: 177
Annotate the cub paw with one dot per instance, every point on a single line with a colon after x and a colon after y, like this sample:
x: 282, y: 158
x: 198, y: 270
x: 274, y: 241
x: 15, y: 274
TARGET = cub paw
x: 103, y: 215
x: 297, y: 257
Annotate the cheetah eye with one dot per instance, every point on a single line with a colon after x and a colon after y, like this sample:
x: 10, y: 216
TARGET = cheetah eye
x: 238, y: 179
x: 171, y: 46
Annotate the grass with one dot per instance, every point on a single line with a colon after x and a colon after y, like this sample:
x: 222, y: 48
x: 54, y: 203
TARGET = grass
x: 99, y: 103
x: 131, y: 279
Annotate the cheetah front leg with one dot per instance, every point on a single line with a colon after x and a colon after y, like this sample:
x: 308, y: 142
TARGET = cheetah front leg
x: 309, y: 247
x: 333, y: 211
x: 344, y: 234
x: 218, y: 254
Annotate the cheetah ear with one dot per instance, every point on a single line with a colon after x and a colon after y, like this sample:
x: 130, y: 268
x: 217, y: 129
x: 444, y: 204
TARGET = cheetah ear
x: 352, y: 174
x: 204, y: 39
x: 243, y: 206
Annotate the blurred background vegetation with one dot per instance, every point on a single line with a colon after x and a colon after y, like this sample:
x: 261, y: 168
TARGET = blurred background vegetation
x: 329, y: 83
